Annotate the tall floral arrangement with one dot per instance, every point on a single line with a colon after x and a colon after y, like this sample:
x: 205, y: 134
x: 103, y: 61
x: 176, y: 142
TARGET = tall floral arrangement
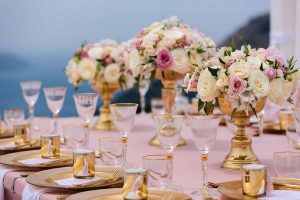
x: 167, y: 45
x: 243, y: 76
x: 99, y: 62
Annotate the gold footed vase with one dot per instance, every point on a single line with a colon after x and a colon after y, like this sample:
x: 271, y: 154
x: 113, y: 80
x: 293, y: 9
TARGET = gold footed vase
x: 168, y: 96
x: 241, y: 152
x: 106, y: 91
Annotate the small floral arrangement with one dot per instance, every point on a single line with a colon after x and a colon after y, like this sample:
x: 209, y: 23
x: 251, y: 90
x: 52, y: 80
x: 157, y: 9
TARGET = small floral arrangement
x: 99, y: 62
x: 167, y: 45
x: 243, y: 76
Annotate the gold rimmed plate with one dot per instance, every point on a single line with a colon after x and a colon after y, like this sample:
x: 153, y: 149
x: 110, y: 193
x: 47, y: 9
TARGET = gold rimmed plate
x: 6, y: 133
x: 7, y: 145
x: 12, y: 159
x: 233, y: 189
x: 116, y: 194
x: 48, y: 178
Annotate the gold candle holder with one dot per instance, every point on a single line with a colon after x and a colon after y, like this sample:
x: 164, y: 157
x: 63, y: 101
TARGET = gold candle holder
x: 135, y: 184
x: 285, y: 118
x: 50, y: 146
x: 254, y: 180
x: 22, y: 134
x: 84, y: 163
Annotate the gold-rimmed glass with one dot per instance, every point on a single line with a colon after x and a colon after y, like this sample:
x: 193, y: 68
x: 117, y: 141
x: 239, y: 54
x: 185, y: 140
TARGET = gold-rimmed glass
x: 286, y: 164
x: 111, y: 151
x: 123, y: 116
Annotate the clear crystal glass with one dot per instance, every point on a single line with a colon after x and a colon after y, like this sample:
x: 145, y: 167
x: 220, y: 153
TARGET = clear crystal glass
x: 123, y: 115
x: 286, y: 164
x: 143, y: 88
x: 111, y: 151
x: 55, y: 97
x: 31, y: 91
x: 75, y: 136
x: 13, y: 116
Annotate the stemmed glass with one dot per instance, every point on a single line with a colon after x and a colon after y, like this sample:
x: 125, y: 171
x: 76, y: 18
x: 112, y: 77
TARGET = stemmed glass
x: 204, y: 130
x: 55, y: 97
x: 168, y: 129
x: 31, y: 91
x: 86, y: 106
x: 123, y: 115
x: 143, y: 88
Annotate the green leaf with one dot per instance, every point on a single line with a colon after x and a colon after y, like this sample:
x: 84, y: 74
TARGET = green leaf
x: 290, y: 100
x: 246, y: 50
x: 200, y: 104
x: 200, y: 50
x: 221, y: 61
x: 213, y: 71
x: 233, y: 45
x: 208, y: 107
x: 233, y: 113
x: 195, y: 65
x: 253, y: 109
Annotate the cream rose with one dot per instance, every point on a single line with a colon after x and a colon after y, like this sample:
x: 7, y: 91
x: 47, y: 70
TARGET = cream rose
x: 96, y: 52
x: 280, y: 91
x: 206, y: 86
x: 87, y: 69
x: 259, y: 83
x: 222, y: 79
x: 134, y: 62
x: 254, y: 62
x: 72, y: 73
x: 180, y: 61
x: 240, y: 69
x: 112, y: 73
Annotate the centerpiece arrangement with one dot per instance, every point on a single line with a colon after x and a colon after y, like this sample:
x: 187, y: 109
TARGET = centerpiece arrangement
x: 167, y: 50
x: 240, y: 81
x: 102, y: 65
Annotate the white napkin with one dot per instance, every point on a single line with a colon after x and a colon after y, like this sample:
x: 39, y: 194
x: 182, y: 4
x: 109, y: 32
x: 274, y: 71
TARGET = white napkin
x: 75, y: 181
x: 7, y: 146
x: 3, y: 171
x: 31, y: 192
x: 282, y: 194
x: 36, y: 161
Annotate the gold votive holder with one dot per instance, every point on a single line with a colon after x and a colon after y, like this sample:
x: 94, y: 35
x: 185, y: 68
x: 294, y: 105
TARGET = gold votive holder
x: 83, y: 163
x: 285, y: 118
x: 50, y: 146
x: 135, y: 184
x: 254, y: 180
x: 22, y: 134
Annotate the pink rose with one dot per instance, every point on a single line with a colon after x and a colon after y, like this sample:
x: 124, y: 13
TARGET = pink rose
x: 271, y: 73
x: 84, y: 54
x: 236, y: 86
x: 108, y: 60
x: 164, y: 59
x: 273, y: 53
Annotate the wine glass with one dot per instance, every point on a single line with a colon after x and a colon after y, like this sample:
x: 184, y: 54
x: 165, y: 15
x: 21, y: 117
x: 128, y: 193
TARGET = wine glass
x: 31, y: 91
x: 123, y: 115
x: 204, y: 130
x: 143, y: 88
x: 86, y: 106
x: 55, y: 97
x: 168, y: 129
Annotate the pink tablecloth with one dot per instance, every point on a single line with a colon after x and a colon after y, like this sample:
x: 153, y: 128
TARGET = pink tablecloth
x: 187, y: 165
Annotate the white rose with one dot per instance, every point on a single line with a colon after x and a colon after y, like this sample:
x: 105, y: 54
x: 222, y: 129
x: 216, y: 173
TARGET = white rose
x: 72, y: 73
x: 174, y: 34
x: 279, y: 73
x: 87, y: 69
x: 259, y: 83
x: 196, y: 58
x: 222, y: 79
x: 280, y: 91
x: 206, y: 86
x: 254, y: 62
x: 134, y: 62
x: 240, y: 69
x: 180, y: 61
x: 112, y: 73
x: 96, y: 52
x: 129, y: 80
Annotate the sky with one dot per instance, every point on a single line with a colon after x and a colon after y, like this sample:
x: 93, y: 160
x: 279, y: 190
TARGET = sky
x: 38, y: 37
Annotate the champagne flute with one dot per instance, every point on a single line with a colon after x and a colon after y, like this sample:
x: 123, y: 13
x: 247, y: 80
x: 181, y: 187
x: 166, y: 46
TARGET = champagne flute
x: 31, y: 91
x: 86, y: 106
x: 204, y: 130
x: 143, y: 88
x: 55, y: 97
x: 123, y: 115
x: 168, y: 129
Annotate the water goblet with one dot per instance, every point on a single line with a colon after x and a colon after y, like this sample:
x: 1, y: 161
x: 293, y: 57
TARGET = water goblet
x: 75, y: 136
x: 13, y: 116
x: 123, y: 115
x: 286, y: 164
x: 168, y: 129
x: 111, y: 151
x: 204, y: 130
x: 31, y: 91
x: 55, y: 97
x: 86, y: 106
x: 143, y: 88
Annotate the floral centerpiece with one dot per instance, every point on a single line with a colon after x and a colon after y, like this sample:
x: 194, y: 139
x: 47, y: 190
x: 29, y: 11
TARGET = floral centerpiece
x: 241, y: 81
x: 101, y: 64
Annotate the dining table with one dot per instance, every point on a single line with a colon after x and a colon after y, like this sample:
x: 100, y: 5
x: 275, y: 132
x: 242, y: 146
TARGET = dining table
x: 187, y: 174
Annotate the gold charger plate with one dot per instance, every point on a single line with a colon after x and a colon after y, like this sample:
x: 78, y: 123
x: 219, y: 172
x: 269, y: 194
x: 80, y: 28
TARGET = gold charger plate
x: 116, y: 194
x: 6, y: 133
x: 12, y: 159
x: 33, y: 145
x: 233, y: 189
x: 48, y: 177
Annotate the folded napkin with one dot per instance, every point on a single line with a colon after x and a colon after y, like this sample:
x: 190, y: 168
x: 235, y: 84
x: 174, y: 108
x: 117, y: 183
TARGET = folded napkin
x: 75, y: 181
x: 3, y: 171
x: 31, y: 192
x: 36, y: 161
x: 7, y: 146
x: 282, y: 194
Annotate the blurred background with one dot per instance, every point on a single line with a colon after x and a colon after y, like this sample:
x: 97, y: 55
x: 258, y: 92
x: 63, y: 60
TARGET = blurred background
x: 37, y: 38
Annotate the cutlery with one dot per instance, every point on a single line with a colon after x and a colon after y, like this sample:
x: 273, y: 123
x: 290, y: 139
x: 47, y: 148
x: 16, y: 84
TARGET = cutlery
x: 116, y: 175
